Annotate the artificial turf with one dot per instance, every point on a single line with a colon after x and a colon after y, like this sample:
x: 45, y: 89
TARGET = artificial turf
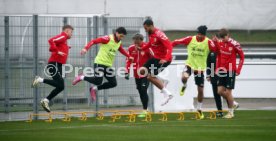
x: 246, y: 126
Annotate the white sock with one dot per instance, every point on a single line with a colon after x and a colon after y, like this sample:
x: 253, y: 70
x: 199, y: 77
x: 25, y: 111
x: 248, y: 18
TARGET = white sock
x: 82, y: 77
x: 231, y: 110
x: 95, y: 88
x: 45, y: 99
x: 185, y: 85
x: 199, y: 105
x: 40, y: 80
x: 166, y: 92
x: 163, y: 80
x: 235, y: 103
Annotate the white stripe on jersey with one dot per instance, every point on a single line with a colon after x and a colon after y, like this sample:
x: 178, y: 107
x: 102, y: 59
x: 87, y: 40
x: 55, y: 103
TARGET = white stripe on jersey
x: 58, y: 38
x: 151, y: 52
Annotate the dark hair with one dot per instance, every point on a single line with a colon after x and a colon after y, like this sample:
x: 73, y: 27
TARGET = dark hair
x: 202, y: 29
x: 121, y: 30
x: 148, y: 22
x: 138, y: 36
x: 223, y: 32
x: 67, y: 26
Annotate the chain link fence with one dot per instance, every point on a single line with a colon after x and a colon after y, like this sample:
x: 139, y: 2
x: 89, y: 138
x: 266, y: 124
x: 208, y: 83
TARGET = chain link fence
x: 24, y: 54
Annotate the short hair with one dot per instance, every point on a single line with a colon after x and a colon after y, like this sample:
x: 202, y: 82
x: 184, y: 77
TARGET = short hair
x: 67, y: 26
x: 202, y: 29
x: 148, y: 22
x: 121, y: 30
x: 223, y: 32
x: 138, y: 36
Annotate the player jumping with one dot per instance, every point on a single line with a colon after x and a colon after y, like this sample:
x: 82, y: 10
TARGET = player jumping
x: 162, y: 57
x: 103, y: 62
x: 59, y: 54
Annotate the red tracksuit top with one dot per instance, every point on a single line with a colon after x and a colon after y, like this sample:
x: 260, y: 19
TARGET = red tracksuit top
x: 160, y: 45
x: 226, y: 55
x: 58, y: 43
x: 140, y: 58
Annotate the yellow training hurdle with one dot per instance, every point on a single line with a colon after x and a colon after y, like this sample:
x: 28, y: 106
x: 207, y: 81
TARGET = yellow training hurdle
x: 116, y: 115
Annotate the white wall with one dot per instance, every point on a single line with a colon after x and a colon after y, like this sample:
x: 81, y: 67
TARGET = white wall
x: 255, y: 81
x: 167, y: 14
x: 178, y: 103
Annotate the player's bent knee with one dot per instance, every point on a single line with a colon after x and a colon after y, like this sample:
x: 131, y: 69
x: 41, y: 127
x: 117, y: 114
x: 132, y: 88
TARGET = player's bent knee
x: 221, y: 92
x: 113, y: 83
x: 98, y: 83
x: 142, y: 71
x: 185, y: 75
x: 61, y: 87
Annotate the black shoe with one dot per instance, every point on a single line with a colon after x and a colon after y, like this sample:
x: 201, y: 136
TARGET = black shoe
x: 219, y: 114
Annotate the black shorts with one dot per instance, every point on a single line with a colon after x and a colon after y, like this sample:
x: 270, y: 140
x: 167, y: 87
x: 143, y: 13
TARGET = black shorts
x: 102, y: 70
x: 199, y: 76
x: 227, y: 80
x: 54, y: 70
x: 153, y: 66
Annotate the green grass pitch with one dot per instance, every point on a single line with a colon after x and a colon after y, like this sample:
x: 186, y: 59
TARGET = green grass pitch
x: 246, y: 126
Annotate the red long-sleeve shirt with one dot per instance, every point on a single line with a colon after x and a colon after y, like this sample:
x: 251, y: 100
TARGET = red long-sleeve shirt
x: 140, y: 58
x: 160, y: 45
x: 226, y: 55
x: 105, y: 40
x: 59, y: 44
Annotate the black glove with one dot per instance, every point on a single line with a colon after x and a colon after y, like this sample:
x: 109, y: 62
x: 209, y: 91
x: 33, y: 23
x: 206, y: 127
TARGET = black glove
x: 127, y: 76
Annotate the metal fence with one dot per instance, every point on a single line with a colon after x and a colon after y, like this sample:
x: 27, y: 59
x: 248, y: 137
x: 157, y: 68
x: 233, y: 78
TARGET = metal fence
x: 24, y: 54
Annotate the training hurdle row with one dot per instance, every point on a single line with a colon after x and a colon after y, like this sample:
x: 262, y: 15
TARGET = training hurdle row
x: 66, y: 116
x: 116, y: 115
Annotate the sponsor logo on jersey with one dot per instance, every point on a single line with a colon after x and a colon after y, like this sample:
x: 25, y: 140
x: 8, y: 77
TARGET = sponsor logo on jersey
x: 142, y: 53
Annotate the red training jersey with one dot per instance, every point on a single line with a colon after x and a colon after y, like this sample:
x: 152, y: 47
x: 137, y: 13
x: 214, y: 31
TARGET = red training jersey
x: 226, y: 56
x: 140, y: 58
x: 58, y: 44
x: 160, y: 45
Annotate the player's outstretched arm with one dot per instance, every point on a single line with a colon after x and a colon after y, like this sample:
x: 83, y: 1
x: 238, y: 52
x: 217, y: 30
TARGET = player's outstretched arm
x: 122, y: 51
x: 183, y: 41
x: 102, y: 40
